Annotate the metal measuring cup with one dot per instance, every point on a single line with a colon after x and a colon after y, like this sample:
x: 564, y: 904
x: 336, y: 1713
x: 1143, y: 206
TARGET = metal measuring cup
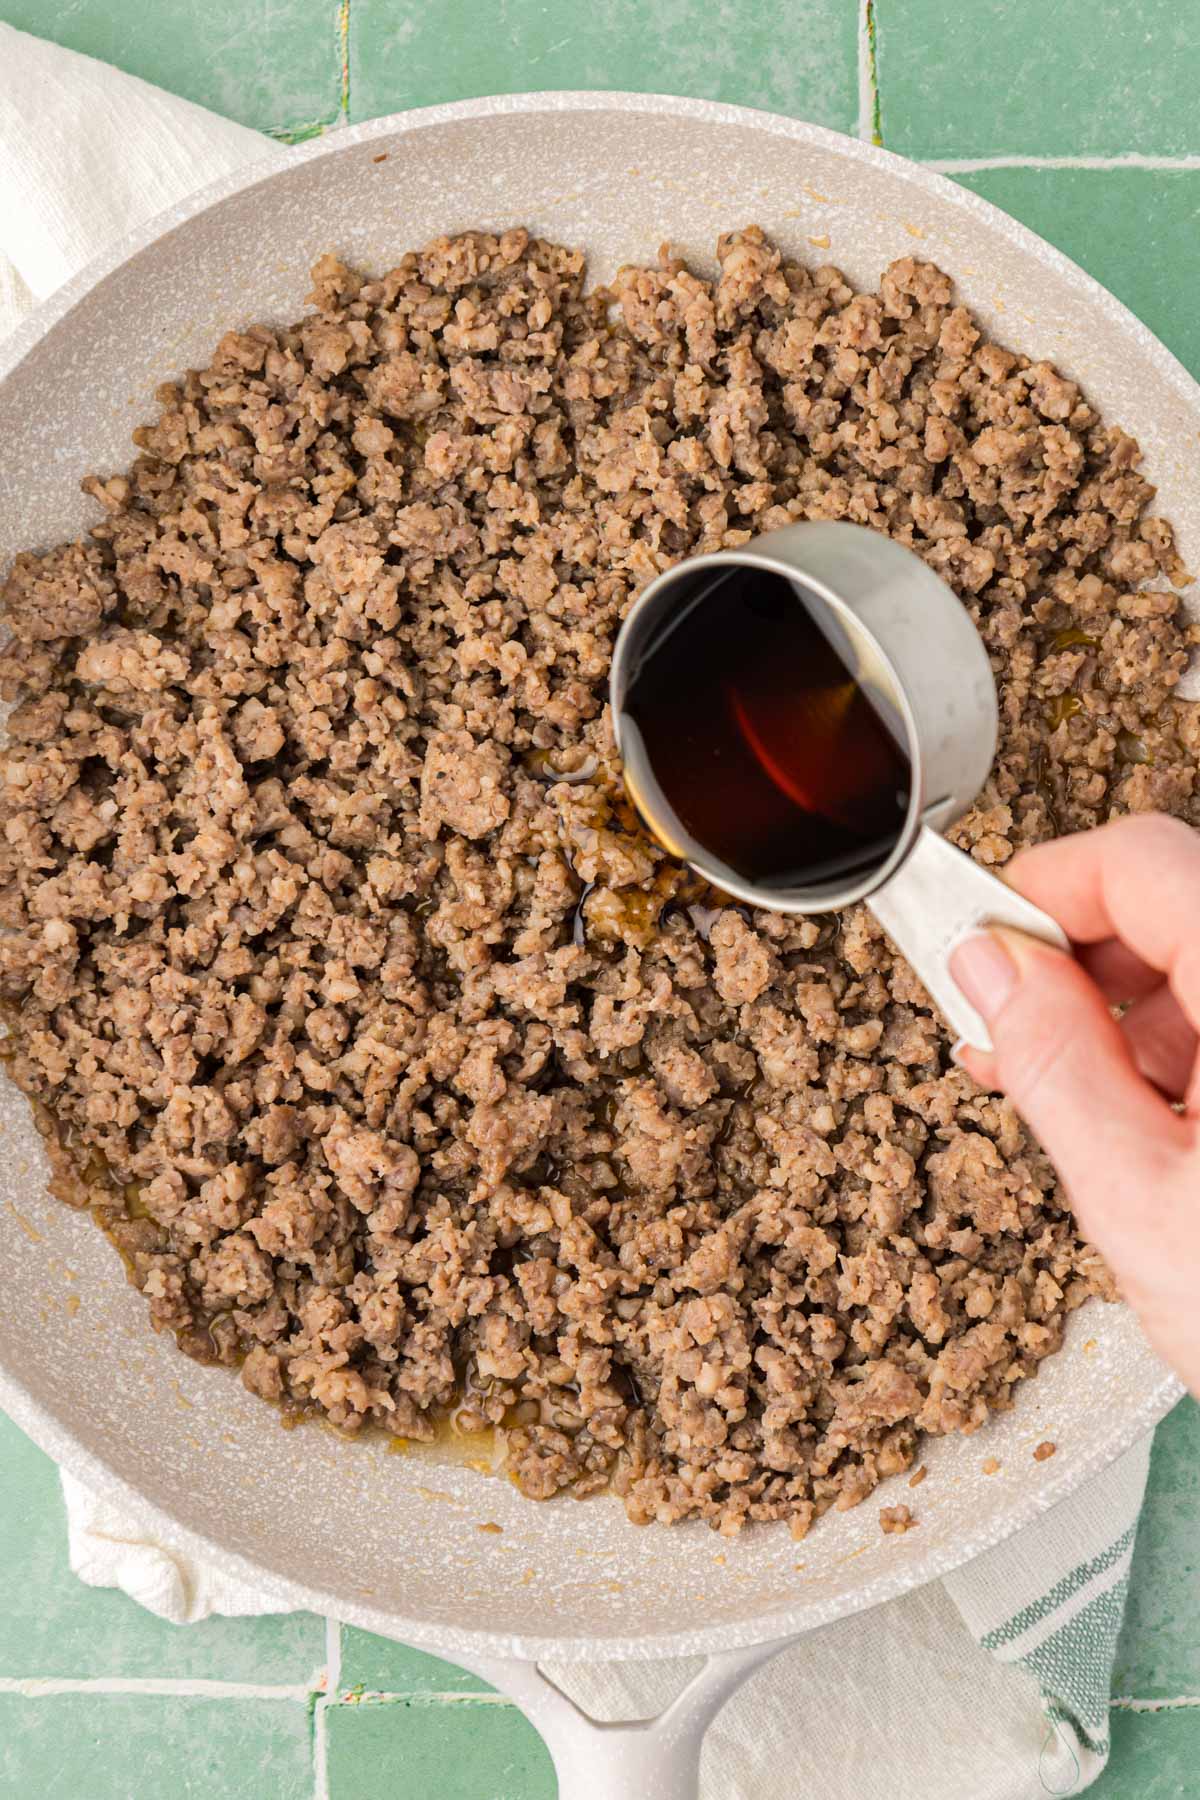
x: 897, y: 626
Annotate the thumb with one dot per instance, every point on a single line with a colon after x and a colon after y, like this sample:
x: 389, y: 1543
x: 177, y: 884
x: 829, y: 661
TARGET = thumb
x: 1060, y: 1057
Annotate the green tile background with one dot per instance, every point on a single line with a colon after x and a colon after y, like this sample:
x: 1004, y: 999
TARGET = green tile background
x: 1136, y: 230
x: 1038, y: 77
x: 1155, y: 1756
x: 792, y: 56
x: 381, y: 1666
x: 275, y: 64
x: 147, y: 1747
x: 1159, y: 1654
x: 1017, y: 81
x: 53, y: 1626
x: 438, y: 1734
x: 416, y: 1751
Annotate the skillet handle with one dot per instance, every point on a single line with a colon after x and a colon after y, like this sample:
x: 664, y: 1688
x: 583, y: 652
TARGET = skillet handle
x: 645, y: 1759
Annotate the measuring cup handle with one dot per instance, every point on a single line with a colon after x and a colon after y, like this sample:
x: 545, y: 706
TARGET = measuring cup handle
x: 937, y: 897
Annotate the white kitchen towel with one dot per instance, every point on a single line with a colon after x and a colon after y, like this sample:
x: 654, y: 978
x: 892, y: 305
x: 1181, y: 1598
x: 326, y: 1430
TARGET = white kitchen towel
x: 106, y: 1548
x: 990, y: 1685
x: 87, y: 153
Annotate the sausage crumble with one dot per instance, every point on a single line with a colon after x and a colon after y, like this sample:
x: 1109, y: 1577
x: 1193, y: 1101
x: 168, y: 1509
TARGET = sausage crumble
x: 406, y: 1072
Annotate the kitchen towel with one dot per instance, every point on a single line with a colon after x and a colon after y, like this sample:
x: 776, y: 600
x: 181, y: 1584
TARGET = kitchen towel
x: 991, y: 1684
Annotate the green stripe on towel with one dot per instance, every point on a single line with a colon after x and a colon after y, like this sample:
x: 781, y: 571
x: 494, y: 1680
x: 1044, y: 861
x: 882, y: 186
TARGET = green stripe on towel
x: 1062, y: 1590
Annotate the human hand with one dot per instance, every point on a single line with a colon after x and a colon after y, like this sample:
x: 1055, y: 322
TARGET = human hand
x: 1115, y: 1103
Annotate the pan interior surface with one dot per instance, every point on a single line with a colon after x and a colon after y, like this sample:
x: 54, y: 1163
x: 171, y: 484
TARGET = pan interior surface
x: 393, y: 1541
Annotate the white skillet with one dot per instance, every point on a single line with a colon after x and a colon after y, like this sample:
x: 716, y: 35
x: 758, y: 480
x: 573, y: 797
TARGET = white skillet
x: 390, y: 1543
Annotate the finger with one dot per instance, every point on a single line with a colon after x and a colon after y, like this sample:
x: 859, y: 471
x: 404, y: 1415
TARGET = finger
x: 1123, y: 977
x: 1136, y: 879
x: 1060, y: 1055
x: 979, y: 1066
x: 1161, y: 1042
x: 1118, y: 971
x: 1160, y: 1038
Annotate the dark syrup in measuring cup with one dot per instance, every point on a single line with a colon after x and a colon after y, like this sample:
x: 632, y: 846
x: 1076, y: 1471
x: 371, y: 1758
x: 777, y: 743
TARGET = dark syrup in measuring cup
x: 772, y: 753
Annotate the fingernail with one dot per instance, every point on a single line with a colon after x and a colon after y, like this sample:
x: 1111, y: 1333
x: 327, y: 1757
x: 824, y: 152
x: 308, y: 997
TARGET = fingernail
x: 984, y: 970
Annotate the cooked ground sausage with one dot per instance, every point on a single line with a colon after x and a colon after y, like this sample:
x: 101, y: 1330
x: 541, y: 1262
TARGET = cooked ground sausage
x: 407, y: 1070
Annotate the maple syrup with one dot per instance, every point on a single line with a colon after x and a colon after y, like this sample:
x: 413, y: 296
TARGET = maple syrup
x: 752, y: 733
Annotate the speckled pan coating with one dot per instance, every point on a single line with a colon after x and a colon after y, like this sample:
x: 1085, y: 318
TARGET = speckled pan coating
x: 390, y: 1542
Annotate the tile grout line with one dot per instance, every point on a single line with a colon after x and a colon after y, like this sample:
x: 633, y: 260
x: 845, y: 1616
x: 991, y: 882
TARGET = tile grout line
x: 333, y: 1681
x: 1128, y: 159
x: 33, y: 1687
x: 301, y: 129
x: 1128, y: 1703
x: 867, y: 126
x: 467, y: 1697
x: 37, y: 1687
x: 344, y: 50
